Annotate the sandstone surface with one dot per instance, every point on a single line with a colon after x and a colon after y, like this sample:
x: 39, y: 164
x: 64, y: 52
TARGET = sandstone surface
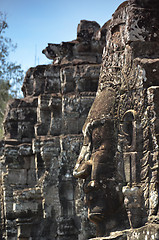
x: 118, y: 163
x: 42, y: 140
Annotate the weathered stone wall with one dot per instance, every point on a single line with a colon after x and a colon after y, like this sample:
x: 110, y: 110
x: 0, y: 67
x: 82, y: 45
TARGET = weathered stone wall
x: 40, y: 199
x: 42, y: 140
x: 148, y: 232
x: 130, y: 66
x: 119, y: 157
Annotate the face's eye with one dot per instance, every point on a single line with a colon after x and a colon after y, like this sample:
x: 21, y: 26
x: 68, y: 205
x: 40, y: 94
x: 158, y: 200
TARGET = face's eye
x: 97, y: 137
x: 86, y: 141
x: 102, y: 136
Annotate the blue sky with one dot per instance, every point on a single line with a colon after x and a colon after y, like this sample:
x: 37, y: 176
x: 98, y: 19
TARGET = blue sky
x: 34, y: 23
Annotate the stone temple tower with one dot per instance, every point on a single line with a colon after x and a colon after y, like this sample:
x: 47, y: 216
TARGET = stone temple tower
x: 79, y: 158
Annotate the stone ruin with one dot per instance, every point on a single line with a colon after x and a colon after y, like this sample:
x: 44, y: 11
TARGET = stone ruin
x: 119, y: 159
x: 42, y: 140
x: 115, y: 160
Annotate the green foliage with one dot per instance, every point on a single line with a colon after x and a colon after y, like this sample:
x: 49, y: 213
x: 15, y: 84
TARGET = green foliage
x: 4, y: 97
x: 11, y: 74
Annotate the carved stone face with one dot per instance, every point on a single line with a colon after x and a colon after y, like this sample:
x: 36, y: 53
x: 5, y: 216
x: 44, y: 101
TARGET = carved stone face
x: 96, y: 162
x: 130, y: 67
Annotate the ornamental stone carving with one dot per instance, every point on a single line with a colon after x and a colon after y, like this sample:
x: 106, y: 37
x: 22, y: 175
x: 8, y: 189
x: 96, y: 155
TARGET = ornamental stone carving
x: 119, y: 157
x: 118, y: 164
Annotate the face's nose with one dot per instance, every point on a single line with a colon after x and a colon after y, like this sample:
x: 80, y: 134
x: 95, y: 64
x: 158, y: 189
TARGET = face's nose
x: 83, y: 165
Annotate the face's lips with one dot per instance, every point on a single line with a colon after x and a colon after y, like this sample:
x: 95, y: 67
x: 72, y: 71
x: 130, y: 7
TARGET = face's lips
x: 82, y: 170
x: 96, y: 217
x: 78, y: 174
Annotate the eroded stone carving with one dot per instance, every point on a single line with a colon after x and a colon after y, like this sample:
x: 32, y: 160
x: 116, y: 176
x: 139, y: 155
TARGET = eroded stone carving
x: 87, y: 47
x: 42, y: 141
x: 119, y: 157
x: 39, y: 198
